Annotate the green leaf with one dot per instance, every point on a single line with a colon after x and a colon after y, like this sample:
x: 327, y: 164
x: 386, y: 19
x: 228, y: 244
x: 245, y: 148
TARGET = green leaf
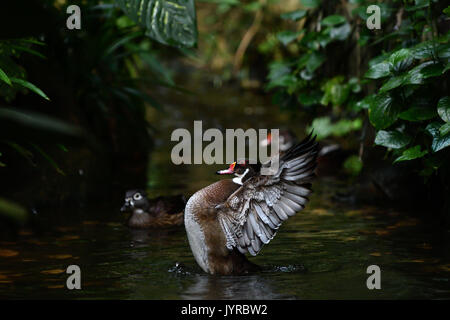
x: 443, y: 51
x: 439, y: 142
x: 432, y: 70
x: 333, y: 20
x: 311, y: 3
x: 424, y: 50
x: 287, y: 37
x: 294, y: 15
x: 29, y: 86
x: 419, y: 4
x: 366, y: 102
x: 447, y: 11
x: 4, y: 77
x: 445, y: 129
x: 418, y: 114
x: 447, y: 67
x: 49, y: 159
x: 392, y: 139
x: 322, y: 127
x: 13, y: 211
x: 28, y: 50
x: 315, y: 60
x: 383, y: 111
x: 280, y: 75
x: 378, y: 71
x: 400, y: 60
x: 170, y: 22
x: 341, y: 32
x: 309, y: 98
x: 353, y: 165
x: 252, y: 6
x: 411, y: 154
x: 335, y: 91
x: 443, y: 108
x: 415, y: 75
x: 392, y: 83
x: 28, y: 126
x: 24, y: 152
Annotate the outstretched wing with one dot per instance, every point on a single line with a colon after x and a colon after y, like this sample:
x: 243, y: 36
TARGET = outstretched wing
x: 252, y: 215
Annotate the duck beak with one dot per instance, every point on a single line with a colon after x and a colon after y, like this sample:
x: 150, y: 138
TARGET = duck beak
x: 230, y: 170
x: 126, y: 207
x: 226, y: 171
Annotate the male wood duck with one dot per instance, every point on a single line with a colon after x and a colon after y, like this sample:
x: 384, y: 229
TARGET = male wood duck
x: 154, y: 213
x: 230, y: 218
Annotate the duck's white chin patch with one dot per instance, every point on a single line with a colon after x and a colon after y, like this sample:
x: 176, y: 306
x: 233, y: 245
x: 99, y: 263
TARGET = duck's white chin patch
x: 238, y: 179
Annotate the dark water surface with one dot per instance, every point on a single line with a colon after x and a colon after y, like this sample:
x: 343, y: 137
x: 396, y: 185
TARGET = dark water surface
x: 321, y: 253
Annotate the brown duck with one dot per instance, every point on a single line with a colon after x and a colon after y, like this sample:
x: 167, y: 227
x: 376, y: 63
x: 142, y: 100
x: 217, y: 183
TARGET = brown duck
x: 153, y: 213
x: 230, y: 218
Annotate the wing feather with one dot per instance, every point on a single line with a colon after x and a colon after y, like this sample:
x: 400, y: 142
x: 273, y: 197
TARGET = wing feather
x: 251, y: 216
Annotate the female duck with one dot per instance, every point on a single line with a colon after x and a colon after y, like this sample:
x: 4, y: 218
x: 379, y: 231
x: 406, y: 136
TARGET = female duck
x: 154, y: 213
x: 233, y: 217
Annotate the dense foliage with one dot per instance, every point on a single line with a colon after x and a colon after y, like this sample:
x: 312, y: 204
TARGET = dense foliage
x: 397, y: 76
x: 90, y: 87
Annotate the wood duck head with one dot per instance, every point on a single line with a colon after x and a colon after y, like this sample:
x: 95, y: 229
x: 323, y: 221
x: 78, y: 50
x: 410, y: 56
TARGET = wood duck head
x: 158, y: 212
x: 242, y: 169
x: 135, y: 199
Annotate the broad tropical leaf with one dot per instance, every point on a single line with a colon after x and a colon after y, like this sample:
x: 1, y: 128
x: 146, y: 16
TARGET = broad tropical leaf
x: 170, y: 22
x: 411, y: 154
x: 392, y: 139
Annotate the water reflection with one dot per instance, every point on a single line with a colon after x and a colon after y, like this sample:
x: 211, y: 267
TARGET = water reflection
x: 246, y: 287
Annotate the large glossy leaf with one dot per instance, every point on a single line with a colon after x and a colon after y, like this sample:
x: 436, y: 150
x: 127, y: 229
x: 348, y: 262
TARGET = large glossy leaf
x: 400, y: 60
x: 378, y: 71
x: 170, y: 22
x: 424, y: 50
x: 393, y: 83
x: 439, y: 142
x: 411, y: 154
x: 392, y: 139
x: 445, y: 129
x: 443, y: 108
x: 415, y: 75
x: 433, y: 70
x: 383, y: 111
